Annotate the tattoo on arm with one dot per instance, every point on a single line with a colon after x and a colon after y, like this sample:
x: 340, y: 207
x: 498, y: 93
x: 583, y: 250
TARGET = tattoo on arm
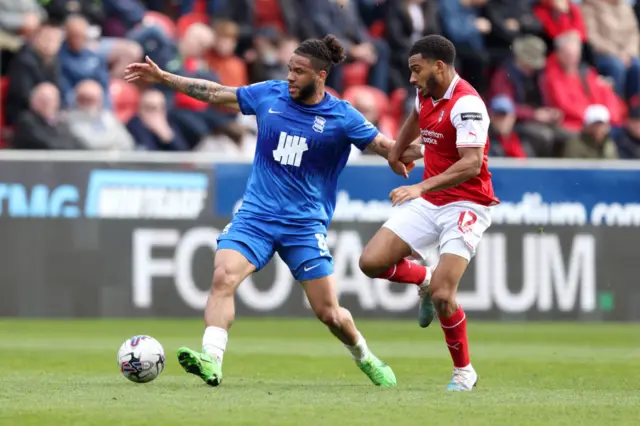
x: 203, y: 90
x: 380, y: 145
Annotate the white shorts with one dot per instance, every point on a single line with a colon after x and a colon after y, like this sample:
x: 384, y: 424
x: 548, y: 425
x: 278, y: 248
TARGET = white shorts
x: 456, y: 227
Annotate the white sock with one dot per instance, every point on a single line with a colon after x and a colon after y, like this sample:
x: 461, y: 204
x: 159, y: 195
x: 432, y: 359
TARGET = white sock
x: 214, y: 342
x: 360, y: 350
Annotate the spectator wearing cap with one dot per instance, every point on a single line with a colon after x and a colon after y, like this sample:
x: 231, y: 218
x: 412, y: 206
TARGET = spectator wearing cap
x: 595, y: 139
x: 613, y: 34
x: 505, y: 142
x: 519, y: 80
x: 628, y: 140
x: 571, y: 86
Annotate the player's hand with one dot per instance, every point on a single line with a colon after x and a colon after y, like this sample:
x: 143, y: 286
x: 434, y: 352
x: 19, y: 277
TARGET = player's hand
x: 403, y: 194
x: 400, y: 168
x: 148, y: 71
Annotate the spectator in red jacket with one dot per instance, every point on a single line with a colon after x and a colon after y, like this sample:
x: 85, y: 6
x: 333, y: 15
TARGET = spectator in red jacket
x: 559, y: 16
x: 519, y: 80
x: 505, y: 141
x: 572, y: 86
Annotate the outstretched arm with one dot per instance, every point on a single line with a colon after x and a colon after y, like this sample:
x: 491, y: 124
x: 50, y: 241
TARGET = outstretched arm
x: 203, y: 90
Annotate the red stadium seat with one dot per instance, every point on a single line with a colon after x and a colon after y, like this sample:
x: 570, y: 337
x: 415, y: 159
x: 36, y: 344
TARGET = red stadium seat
x: 161, y: 20
x: 381, y: 98
x: 125, y: 98
x: 389, y: 126
x: 187, y: 20
x: 355, y: 74
x: 377, y: 29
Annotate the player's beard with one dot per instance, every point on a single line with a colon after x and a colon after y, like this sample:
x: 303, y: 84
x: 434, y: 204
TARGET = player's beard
x: 307, y: 92
x: 430, y: 86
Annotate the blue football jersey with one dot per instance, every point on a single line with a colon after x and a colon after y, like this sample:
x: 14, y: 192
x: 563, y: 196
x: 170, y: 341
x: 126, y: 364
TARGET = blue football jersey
x: 300, y: 153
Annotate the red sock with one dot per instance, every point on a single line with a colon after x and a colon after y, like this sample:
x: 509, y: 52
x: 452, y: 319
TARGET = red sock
x: 455, y: 334
x: 405, y: 272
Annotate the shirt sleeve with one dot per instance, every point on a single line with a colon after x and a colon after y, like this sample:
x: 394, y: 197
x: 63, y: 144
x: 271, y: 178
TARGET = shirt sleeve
x: 360, y: 131
x: 470, y: 118
x: 249, y: 97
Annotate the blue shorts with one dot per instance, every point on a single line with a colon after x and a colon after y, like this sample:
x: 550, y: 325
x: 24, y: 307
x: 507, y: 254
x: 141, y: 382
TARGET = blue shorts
x: 303, y: 248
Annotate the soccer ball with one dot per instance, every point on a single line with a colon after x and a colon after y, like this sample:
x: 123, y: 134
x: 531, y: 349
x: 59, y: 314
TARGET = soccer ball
x: 141, y: 359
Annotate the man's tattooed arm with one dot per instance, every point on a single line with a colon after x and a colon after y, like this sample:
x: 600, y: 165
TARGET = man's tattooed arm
x: 203, y: 90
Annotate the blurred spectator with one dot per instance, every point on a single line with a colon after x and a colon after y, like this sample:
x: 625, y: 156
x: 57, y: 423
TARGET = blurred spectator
x: 505, y: 142
x: 197, y: 119
x: 407, y: 21
x: 79, y: 63
x: 60, y: 10
x: 594, y: 141
x: 96, y: 127
x: 340, y: 17
x: 572, y: 86
x: 152, y: 129
x: 121, y: 16
x: 365, y: 102
x: 560, y: 16
x: 272, y: 56
x: 519, y: 80
x: 465, y: 27
x: 213, y: 6
x: 41, y: 127
x: 21, y: 16
x: 615, y: 39
x: 372, y: 11
x: 509, y: 20
x: 284, y: 15
x: 222, y: 59
x: 36, y: 63
x: 628, y: 140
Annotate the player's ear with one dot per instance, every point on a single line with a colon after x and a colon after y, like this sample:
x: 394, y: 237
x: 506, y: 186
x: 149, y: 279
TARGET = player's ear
x: 323, y: 74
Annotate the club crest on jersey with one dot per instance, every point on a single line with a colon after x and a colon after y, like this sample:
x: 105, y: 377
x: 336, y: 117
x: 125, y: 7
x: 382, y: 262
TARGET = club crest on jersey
x: 318, y: 124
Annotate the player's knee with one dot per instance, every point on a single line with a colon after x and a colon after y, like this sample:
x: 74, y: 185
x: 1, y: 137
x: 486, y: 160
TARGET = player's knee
x: 329, y: 315
x: 443, y: 298
x: 369, y: 264
x: 224, y: 280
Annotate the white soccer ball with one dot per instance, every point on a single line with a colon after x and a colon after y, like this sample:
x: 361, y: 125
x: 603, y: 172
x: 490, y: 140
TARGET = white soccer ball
x: 141, y: 359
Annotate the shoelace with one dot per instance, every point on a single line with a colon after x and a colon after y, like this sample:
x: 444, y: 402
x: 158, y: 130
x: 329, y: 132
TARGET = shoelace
x: 459, y: 377
x: 369, y: 368
x: 423, y: 290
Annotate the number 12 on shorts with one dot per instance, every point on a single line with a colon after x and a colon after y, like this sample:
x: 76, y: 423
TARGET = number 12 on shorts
x: 466, y: 220
x: 322, y: 245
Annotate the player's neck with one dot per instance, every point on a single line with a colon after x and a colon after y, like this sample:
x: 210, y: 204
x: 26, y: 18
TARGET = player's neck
x: 439, y: 92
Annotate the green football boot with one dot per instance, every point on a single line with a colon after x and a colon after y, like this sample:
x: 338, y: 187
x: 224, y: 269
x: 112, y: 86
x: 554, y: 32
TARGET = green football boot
x: 377, y: 371
x: 202, y: 365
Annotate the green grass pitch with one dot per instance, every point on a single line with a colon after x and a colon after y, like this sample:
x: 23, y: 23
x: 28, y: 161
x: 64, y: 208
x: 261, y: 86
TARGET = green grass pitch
x: 292, y: 372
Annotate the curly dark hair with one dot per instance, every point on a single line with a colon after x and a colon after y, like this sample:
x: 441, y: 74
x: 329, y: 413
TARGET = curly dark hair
x: 323, y: 53
x: 435, y: 47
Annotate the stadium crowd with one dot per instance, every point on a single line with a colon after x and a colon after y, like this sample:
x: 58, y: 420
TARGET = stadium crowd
x: 561, y: 78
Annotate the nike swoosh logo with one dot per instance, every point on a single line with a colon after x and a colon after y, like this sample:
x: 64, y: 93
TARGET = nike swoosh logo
x: 205, y: 360
x: 271, y: 111
x: 313, y: 267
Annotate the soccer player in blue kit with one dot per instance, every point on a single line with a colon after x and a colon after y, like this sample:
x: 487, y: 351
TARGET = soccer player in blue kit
x: 304, y: 140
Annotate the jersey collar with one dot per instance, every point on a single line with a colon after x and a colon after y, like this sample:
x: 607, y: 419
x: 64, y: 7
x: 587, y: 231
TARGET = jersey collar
x: 449, y: 93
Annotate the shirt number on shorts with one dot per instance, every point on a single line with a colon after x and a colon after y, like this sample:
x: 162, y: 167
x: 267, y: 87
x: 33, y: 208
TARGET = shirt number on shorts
x: 322, y: 245
x: 466, y: 220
